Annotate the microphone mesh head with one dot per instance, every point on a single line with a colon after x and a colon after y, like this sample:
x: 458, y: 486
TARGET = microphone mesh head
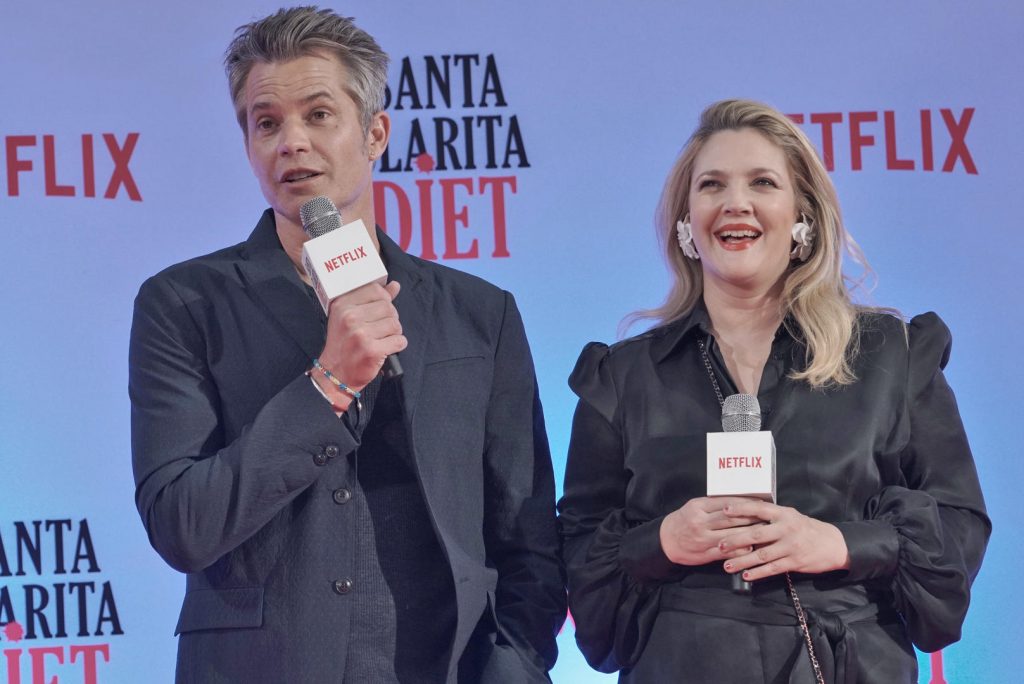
x: 319, y: 217
x: 741, y: 413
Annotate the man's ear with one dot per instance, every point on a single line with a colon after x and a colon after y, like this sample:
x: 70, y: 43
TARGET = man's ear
x: 378, y: 135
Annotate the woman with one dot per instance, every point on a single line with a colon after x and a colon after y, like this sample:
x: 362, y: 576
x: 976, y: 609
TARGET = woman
x: 880, y: 524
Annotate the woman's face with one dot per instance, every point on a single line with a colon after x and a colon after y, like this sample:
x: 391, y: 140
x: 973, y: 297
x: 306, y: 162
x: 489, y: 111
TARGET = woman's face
x: 742, y: 210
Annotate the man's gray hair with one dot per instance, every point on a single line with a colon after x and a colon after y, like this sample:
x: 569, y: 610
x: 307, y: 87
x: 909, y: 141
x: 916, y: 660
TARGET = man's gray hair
x: 300, y: 31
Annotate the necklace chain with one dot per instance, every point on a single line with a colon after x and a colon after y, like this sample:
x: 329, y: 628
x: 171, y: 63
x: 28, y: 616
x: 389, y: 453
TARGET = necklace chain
x: 711, y: 373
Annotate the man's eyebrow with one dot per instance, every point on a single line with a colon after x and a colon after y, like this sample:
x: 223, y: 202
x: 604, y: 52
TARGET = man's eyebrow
x: 318, y: 95
x: 313, y: 97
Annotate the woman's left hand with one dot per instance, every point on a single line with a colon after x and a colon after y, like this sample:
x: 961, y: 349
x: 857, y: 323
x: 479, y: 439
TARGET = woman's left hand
x: 790, y: 541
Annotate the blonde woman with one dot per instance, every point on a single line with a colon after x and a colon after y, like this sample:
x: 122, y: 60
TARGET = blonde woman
x: 880, y: 525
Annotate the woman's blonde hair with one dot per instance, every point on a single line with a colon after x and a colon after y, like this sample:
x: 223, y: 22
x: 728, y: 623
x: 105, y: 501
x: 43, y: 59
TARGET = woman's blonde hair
x: 815, y: 292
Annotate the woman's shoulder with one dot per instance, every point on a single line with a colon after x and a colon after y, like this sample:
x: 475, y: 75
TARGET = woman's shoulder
x: 625, y: 351
x: 873, y: 320
x: 923, y: 336
x: 603, y: 368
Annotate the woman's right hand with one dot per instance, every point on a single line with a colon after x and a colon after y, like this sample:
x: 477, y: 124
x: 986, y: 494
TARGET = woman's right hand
x: 690, y: 535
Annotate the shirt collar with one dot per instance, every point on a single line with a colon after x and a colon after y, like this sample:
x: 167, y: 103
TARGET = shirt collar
x: 675, y: 333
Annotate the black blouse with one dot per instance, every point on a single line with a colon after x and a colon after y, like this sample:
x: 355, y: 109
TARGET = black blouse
x: 885, y: 459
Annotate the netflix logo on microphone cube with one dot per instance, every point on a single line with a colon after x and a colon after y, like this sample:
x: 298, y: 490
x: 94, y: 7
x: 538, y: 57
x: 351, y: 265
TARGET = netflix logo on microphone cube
x: 341, y: 261
x: 741, y: 464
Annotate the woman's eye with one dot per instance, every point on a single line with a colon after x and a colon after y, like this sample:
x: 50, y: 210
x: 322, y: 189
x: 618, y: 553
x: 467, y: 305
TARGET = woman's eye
x: 708, y: 183
x: 765, y: 181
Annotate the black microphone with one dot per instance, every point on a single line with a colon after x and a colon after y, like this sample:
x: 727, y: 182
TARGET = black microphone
x: 351, y: 260
x: 741, y: 413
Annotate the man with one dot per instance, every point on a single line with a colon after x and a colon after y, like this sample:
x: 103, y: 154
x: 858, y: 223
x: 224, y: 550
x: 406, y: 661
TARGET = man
x: 336, y: 526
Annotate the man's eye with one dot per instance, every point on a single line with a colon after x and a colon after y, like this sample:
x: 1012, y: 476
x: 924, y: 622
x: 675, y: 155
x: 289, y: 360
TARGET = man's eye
x: 264, y: 124
x: 320, y: 115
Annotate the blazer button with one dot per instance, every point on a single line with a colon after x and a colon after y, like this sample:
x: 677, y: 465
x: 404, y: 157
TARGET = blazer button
x: 342, y: 586
x: 320, y: 458
x: 332, y: 450
x: 342, y: 496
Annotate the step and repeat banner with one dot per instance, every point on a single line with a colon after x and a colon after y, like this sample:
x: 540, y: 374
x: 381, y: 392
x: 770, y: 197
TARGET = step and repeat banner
x: 530, y: 144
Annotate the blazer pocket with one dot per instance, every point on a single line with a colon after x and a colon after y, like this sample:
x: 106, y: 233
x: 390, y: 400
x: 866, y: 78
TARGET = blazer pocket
x: 459, y: 360
x: 221, y: 609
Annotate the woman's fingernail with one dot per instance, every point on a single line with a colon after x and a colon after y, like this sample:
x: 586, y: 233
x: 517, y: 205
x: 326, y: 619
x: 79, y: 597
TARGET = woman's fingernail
x: 746, y: 575
x: 728, y: 567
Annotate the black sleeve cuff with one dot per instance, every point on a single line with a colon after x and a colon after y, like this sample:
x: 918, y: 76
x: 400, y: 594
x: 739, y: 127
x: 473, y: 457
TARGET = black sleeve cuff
x: 642, y: 556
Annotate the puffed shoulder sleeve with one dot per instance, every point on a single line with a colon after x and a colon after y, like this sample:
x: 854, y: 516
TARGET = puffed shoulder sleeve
x: 928, y: 536
x: 615, y: 565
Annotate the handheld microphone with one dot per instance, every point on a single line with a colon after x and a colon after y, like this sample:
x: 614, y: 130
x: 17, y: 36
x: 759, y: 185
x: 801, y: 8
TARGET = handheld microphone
x: 741, y: 413
x: 741, y: 460
x: 339, y: 259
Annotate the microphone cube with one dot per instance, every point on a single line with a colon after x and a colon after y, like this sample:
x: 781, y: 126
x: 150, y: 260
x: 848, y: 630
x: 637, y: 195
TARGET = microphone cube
x: 341, y: 261
x: 741, y: 464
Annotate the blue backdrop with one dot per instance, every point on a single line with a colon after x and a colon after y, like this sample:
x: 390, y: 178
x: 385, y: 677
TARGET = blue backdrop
x: 120, y: 155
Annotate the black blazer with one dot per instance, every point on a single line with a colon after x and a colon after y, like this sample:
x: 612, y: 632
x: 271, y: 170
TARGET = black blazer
x: 232, y: 449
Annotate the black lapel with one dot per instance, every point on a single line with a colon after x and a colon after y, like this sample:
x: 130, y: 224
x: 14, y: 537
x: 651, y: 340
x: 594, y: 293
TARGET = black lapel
x: 415, y: 304
x: 269, y: 275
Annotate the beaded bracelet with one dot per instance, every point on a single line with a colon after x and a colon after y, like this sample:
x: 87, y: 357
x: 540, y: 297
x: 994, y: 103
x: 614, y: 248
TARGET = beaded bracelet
x: 339, y: 384
x: 337, y: 409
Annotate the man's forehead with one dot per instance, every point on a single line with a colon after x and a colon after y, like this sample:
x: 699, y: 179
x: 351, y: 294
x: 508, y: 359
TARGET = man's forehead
x: 318, y: 71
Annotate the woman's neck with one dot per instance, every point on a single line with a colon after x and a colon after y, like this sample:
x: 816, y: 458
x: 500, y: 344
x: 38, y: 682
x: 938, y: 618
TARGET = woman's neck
x: 743, y: 314
x: 744, y: 325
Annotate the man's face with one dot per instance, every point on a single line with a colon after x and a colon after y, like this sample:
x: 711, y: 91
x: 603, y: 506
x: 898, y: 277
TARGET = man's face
x: 304, y: 137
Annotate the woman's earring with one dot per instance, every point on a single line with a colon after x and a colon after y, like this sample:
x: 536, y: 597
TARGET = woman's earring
x: 803, y: 237
x: 684, y: 233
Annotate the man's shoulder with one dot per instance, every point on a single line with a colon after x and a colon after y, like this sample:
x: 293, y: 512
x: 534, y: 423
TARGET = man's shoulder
x: 452, y: 282
x: 195, y: 274
x: 218, y: 260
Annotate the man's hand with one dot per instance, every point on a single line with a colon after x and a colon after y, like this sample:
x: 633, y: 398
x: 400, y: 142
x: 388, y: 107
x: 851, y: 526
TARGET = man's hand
x: 362, y: 330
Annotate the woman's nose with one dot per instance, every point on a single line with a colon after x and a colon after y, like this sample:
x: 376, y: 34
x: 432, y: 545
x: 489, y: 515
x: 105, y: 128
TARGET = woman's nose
x: 737, y: 201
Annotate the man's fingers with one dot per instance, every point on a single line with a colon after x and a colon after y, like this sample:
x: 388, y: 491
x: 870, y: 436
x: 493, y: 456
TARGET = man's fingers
x: 371, y: 292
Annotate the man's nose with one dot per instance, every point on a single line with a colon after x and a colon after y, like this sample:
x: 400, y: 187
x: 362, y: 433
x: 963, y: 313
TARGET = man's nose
x: 294, y: 139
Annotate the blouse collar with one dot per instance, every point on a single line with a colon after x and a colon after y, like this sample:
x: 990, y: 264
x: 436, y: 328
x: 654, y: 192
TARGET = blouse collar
x: 673, y: 335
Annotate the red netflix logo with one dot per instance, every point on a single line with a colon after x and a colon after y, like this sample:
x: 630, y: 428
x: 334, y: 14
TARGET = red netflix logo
x: 18, y: 151
x: 344, y: 258
x: 863, y: 130
x: 726, y: 462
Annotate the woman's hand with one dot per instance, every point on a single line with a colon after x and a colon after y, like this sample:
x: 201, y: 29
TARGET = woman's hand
x: 790, y: 541
x: 692, y: 535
